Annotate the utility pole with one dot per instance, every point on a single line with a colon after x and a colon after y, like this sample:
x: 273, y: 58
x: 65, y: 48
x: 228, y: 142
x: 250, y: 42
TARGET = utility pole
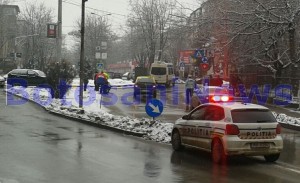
x: 59, y: 31
x: 82, y: 53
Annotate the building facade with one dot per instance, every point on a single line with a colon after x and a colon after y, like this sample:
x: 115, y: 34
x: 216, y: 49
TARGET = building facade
x: 8, y: 33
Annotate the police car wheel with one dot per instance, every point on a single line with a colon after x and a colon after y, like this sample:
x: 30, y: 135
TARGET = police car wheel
x: 218, y: 155
x: 271, y: 157
x: 176, y: 141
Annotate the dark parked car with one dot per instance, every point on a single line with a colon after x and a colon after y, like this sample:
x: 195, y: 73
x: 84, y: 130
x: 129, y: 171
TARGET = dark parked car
x: 2, y: 81
x: 117, y: 75
x: 111, y: 75
x: 129, y: 76
x: 145, y: 85
x: 30, y: 77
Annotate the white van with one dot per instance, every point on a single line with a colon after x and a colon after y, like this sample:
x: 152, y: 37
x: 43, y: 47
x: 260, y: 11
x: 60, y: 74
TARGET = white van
x: 162, y: 72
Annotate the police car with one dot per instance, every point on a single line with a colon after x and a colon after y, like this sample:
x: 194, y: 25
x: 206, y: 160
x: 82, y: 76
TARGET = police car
x: 206, y: 94
x: 229, y: 128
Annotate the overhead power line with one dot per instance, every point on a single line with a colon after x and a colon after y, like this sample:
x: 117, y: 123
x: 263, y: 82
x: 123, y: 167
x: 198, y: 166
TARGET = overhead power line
x: 95, y: 9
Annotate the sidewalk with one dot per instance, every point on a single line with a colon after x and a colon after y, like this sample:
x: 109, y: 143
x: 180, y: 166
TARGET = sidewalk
x: 292, y: 112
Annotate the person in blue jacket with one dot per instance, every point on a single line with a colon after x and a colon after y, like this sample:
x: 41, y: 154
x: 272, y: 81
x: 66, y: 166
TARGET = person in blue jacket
x: 189, y: 89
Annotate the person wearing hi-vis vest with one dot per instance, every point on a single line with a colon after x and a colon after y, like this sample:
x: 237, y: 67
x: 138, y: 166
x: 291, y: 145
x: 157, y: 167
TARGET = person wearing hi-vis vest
x: 189, y: 89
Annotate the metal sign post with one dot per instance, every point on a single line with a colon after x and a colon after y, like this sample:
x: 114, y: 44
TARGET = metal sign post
x: 100, y: 100
x: 299, y: 97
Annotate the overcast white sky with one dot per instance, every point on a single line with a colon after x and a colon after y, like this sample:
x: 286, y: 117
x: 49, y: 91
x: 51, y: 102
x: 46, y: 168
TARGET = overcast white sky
x: 119, y: 9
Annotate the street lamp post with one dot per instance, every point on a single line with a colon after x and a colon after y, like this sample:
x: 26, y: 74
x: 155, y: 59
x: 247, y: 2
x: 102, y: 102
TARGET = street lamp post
x: 59, y: 30
x: 81, y: 53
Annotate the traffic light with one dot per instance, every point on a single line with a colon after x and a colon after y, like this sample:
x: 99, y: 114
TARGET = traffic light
x: 204, y: 67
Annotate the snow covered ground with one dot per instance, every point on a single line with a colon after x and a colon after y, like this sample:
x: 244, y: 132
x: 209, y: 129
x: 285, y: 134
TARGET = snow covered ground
x: 157, y: 131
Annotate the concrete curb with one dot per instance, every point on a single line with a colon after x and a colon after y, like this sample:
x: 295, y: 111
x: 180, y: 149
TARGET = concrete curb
x: 95, y: 124
x: 84, y: 121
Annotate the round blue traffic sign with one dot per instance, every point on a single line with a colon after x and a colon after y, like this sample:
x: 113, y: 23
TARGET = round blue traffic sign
x: 181, y: 64
x: 204, y: 59
x: 154, y: 108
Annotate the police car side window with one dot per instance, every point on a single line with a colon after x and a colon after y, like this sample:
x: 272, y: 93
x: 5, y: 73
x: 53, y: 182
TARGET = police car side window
x: 214, y: 113
x: 198, y: 114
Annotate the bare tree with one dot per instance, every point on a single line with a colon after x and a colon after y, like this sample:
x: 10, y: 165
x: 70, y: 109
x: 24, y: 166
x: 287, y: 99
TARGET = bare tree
x: 97, y: 30
x: 3, y: 2
x: 263, y: 32
x: 150, y: 19
x: 37, y: 48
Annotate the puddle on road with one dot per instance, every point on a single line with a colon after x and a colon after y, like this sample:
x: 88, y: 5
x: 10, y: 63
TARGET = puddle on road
x: 65, y: 128
x: 49, y: 136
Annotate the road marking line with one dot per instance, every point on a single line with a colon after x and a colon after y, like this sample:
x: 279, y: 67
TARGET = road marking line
x: 288, y: 167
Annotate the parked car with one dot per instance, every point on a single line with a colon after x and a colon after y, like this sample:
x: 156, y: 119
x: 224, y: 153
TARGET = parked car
x: 117, y: 75
x: 145, y: 85
x: 229, y: 129
x: 127, y: 76
x: 2, y: 81
x: 5, y: 76
x: 111, y: 74
x: 30, y: 76
x: 139, y: 71
x: 132, y: 76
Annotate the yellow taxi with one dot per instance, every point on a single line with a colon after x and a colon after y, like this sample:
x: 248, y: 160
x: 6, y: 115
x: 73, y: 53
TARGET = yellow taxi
x: 144, y: 85
x: 229, y: 128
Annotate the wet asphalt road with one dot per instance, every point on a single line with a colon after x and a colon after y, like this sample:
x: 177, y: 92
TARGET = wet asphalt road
x: 172, y: 99
x: 37, y: 147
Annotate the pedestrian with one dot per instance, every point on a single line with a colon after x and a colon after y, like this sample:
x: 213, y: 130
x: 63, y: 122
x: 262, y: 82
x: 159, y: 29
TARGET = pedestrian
x: 102, y: 82
x: 106, y: 75
x: 189, y: 89
x: 85, y: 81
x: 95, y: 81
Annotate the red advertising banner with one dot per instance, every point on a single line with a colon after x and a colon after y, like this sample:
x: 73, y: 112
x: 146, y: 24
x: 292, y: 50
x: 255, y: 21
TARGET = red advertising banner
x: 185, y: 56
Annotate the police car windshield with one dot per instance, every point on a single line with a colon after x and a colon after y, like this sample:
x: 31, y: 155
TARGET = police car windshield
x: 252, y: 116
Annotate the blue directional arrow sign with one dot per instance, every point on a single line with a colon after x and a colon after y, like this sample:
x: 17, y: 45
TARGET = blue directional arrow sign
x: 181, y: 64
x: 198, y: 53
x: 100, y: 66
x: 154, y: 108
x: 204, y: 59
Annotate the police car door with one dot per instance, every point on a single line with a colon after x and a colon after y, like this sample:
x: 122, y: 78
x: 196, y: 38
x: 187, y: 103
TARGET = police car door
x: 214, y: 119
x: 195, y: 129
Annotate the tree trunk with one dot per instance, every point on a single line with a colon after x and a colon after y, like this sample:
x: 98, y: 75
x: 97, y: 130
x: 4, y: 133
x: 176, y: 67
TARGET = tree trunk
x: 292, y: 50
x: 292, y: 68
